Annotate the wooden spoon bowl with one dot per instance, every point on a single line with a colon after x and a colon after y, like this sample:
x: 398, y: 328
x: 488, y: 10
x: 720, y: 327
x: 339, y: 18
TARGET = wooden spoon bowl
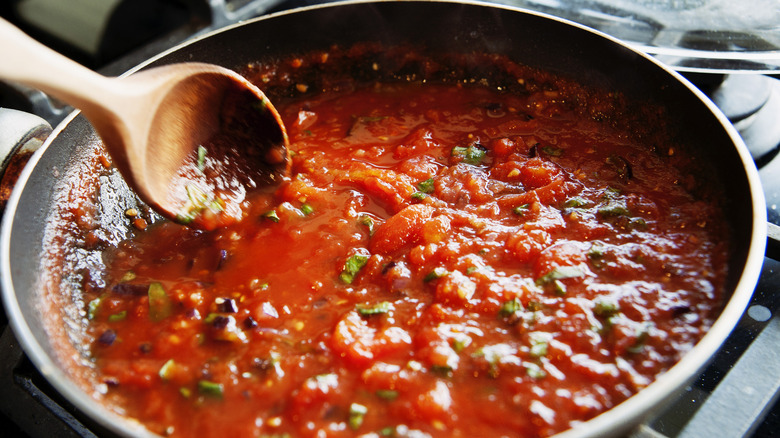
x: 191, y: 139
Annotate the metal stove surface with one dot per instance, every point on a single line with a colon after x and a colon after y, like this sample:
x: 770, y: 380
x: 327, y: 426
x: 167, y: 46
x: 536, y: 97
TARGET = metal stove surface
x: 750, y: 358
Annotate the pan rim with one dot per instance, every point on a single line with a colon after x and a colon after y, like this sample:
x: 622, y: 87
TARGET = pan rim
x: 626, y: 414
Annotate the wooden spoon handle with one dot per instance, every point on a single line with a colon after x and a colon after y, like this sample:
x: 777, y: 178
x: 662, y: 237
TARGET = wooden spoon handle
x: 29, y: 62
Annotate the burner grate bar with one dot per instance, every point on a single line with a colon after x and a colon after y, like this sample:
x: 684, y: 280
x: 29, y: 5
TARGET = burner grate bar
x: 742, y: 399
x: 27, y: 405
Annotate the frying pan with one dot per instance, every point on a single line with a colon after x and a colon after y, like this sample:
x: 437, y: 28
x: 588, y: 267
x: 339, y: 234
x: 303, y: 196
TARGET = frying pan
x: 46, y: 315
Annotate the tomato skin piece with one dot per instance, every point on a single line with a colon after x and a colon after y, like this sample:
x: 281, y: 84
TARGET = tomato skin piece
x: 401, y: 229
x: 526, y: 245
x: 360, y: 344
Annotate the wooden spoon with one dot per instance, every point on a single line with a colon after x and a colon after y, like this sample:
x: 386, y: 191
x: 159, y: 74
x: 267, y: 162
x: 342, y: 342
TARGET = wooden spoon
x: 192, y: 140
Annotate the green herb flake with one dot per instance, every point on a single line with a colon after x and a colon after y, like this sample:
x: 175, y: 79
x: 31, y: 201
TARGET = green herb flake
x: 426, y: 186
x: 535, y: 371
x: 510, y: 308
x: 596, y: 251
x: 560, y: 273
x: 197, y: 202
x: 460, y: 344
x: 116, y: 317
x: 575, y: 202
x: 210, y: 389
x: 375, y: 309
x: 92, y: 308
x: 435, y: 274
x: 473, y: 154
x: 613, y: 208
x: 201, y: 158
x: 387, y: 394
x: 642, y: 334
x: 612, y: 204
x: 352, y: 266
x: 442, y: 370
x: 367, y: 222
x: 128, y: 276
x: 260, y: 105
x: 521, y: 210
x: 160, y: 304
x: 357, y: 414
x: 185, y: 392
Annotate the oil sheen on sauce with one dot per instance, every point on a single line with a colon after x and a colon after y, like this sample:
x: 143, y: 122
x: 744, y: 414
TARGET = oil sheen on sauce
x: 446, y: 260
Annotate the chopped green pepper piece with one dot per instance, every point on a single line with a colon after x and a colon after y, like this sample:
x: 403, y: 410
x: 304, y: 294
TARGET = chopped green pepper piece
x: 387, y: 394
x: 426, y: 186
x: 160, y: 304
x: 473, y: 154
x: 271, y: 215
x: 210, y: 389
x: 539, y: 349
x: 352, y: 266
x: 510, y: 308
x: 442, y: 370
x: 376, y: 309
x: 129, y: 276
x: 117, y: 316
x: 307, y: 209
x: 357, y: 413
x: 560, y: 273
x: 418, y: 196
x: 559, y: 287
x: 185, y: 392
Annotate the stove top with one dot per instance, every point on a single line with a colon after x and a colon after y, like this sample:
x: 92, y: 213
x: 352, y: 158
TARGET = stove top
x: 735, y: 396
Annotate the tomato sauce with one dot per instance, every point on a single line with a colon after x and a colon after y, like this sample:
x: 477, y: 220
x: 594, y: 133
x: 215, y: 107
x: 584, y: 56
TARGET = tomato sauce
x: 446, y: 260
